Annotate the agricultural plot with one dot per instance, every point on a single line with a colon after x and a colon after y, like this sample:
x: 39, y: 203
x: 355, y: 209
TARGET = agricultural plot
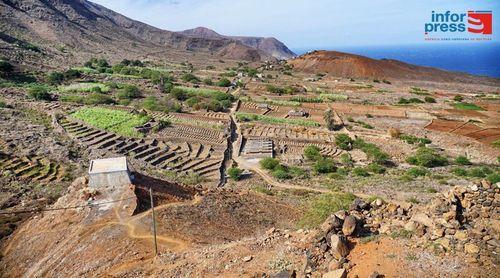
x: 185, y: 157
x: 248, y: 117
x: 120, y: 122
x: 84, y: 87
x: 30, y: 168
x: 468, y: 129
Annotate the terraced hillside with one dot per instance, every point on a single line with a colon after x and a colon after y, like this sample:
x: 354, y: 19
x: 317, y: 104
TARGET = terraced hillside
x: 154, y: 153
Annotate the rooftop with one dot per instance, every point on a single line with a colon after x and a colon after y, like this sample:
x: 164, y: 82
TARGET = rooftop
x: 108, y: 165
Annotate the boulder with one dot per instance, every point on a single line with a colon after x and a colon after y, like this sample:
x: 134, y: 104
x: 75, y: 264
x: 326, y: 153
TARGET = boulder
x: 332, y: 222
x: 339, y: 246
x: 349, y: 225
x: 334, y: 265
x: 339, y: 273
x: 471, y: 248
x: 423, y: 219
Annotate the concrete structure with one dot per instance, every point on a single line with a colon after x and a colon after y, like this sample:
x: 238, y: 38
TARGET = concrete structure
x: 258, y: 147
x: 109, y: 172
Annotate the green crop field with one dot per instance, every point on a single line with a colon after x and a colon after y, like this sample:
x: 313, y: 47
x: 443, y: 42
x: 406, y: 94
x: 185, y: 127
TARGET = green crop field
x: 84, y: 87
x: 248, y: 117
x: 467, y: 106
x: 199, y: 91
x: 120, y: 122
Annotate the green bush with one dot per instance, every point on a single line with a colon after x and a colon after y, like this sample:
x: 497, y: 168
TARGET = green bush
x: 98, y: 98
x: 409, y: 101
x: 480, y: 172
x: 188, y: 77
x: 410, y: 139
x: 360, y: 172
x: 459, y: 171
x: 324, y: 165
x: 39, y: 93
x: 129, y: 92
x: 427, y: 157
x: 467, y: 106
x: 224, y: 82
x: 373, y: 152
x: 430, y: 99
x: 234, y: 173
x: 281, y: 173
x: 55, y: 78
x: 207, y: 81
x: 269, y: 163
x: 462, y: 160
x: 343, y: 141
x: 417, y: 172
x: 298, y: 172
x: 323, y: 206
x: 5, y: 68
x: 346, y: 159
x: 179, y: 93
x: 375, y: 168
x: 493, y: 177
x: 312, y: 152
x: 458, y: 98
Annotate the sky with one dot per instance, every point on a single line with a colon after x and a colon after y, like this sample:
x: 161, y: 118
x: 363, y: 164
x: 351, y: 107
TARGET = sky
x: 302, y: 24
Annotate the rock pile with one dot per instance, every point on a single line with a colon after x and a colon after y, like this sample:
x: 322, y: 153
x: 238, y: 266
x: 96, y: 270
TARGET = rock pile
x: 464, y: 220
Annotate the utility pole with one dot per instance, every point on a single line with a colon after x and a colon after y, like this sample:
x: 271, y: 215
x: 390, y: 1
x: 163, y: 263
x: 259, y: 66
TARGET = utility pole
x: 154, y: 221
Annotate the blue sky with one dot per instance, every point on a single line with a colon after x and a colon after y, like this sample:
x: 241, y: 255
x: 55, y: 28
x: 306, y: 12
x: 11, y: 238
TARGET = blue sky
x: 303, y: 24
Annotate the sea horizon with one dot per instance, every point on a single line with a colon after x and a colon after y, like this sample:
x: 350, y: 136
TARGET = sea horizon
x: 479, y: 59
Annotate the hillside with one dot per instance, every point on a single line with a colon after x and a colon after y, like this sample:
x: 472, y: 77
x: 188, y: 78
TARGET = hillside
x: 61, y: 31
x: 271, y: 45
x: 356, y: 66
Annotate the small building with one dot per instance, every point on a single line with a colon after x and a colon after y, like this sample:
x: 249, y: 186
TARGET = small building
x: 297, y: 113
x: 109, y: 172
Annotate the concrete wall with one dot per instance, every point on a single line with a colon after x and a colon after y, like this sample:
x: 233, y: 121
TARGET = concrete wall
x: 120, y: 178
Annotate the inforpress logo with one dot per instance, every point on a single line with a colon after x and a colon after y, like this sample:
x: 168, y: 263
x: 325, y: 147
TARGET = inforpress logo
x: 473, y: 25
x: 480, y: 22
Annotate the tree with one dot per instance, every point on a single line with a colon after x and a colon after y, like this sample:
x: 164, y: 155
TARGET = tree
x: 234, y: 173
x: 5, y: 68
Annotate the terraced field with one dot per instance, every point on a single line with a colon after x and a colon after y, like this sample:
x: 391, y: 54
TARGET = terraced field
x: 186, y: 157
x: 31, y: 168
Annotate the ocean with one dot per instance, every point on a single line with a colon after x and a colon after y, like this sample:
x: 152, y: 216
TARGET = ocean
x: 482, y: 58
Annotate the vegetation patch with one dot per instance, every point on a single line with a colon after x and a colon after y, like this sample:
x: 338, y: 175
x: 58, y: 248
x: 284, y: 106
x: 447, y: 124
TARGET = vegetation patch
x: 323, y: 206
x: 120, y: 122
x: 249, y: 117
x: 85, y: 87
x: 427, y: 157
x: 467, y: 106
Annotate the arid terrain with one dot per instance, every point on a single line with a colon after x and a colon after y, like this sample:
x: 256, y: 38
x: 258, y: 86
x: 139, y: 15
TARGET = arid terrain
x: 324, y: 165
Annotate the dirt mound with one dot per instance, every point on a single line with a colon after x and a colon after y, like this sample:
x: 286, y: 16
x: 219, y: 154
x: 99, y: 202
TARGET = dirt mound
x: 355, y: 66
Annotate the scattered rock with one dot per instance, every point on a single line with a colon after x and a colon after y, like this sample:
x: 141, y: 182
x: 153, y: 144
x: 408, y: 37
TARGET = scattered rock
x: 339, y: 273
x: 334, y: 265
x: 339, y: 246
x: 349, y: 225
x: 247, y: 258
x: 471, y: 248
x: 376, y: 275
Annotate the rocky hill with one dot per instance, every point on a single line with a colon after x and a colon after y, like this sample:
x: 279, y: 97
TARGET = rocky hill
x: 62, y: 31
x: 356, y: 66
x: 270, y: 46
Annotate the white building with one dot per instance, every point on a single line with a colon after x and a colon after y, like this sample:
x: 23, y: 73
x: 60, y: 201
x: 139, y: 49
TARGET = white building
x: 109, y: 172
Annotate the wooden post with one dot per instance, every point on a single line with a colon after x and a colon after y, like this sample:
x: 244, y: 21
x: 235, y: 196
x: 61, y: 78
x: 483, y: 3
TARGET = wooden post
x: 154, y: 221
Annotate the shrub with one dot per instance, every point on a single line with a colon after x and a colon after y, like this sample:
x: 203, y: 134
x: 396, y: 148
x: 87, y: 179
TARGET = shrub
x: 467, y: 106
x: 430, y: 99
x: 323, y: 206
x: 39, y: 93
x: 234, y: 173
x: 269, y: 163
x: 493, y: 177
x: 480, y: 172
x: 55, y: 78
x: 462, y: 160
x: 98, y: 98
x: 372, y: 151
x: 298, y: 172
x: 360, y: 172
x: 188, y: 77
x: 346, y: 159
x: 162, y: 124
x: 324, y: 165
x: 410, y: 139
x: 224, y: 82
x: 375, y: 168
x: 427, y: 157
x: 312, y: 152
x: 417, y: 172
x: 281, y: 173
x: 215, y: 106
x: 409, y: 101
x: 129, y: 92
x: 5, y: 67
x: 207, y: 81
x: 458, y: 98
x: 179, y: 93
x: 459, y: 171
x: 343, y: 141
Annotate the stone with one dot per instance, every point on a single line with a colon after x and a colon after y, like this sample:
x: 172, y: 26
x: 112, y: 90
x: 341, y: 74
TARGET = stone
x: 438, y: 232
x: 410, y: 226
x: 285, y: 274
x: 449, y: 215
x: 349, y: 225
x: 359, y: 205
x: 392, y: 208
x: 461, y: 235
x: 423, y: 219
x: 471, y: 248
x: 444, y: 242
x: 339, y: 273
x: 332, y: 222
x: 341, y: 214
x: 339, y: 246
x: 376, y: 275
x: 334, y: 265
x: 247, y: 258
x: 486, y: 184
